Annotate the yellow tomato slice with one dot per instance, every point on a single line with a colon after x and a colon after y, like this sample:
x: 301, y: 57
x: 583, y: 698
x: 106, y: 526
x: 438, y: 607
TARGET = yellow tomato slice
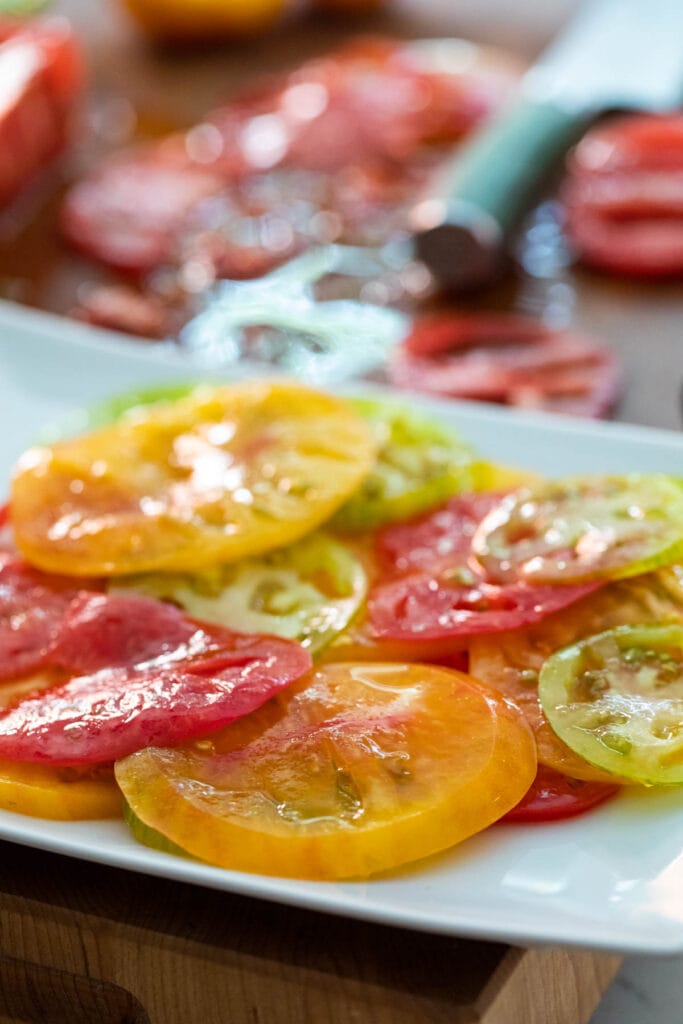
x: 358, y: 769
x: 222, y: 474
x: 512, y: 661
x: 61, y: 794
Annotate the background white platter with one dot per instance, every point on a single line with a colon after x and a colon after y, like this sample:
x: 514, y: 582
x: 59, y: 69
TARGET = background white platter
x: 611, y: 880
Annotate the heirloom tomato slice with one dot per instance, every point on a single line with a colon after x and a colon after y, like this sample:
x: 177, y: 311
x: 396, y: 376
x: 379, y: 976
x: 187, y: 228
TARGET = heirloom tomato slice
x: 308, y: 592
x: 146, y: 679
x: 553, y: 797
x: 419, y: 464
x: 511, y: 662
x: 223, y: 474
x: 61, y: 794
x: 356, y: 770
x: 583, y: 528
x: 430, y: 591
x: 617, y: 700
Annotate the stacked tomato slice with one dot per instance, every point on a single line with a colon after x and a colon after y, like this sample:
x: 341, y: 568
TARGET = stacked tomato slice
x: 316, y: 637
x: 41, y: 75
x: 624, y: 199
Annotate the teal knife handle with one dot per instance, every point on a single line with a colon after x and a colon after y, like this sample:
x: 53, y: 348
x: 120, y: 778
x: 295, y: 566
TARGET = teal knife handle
x: 461, y: 232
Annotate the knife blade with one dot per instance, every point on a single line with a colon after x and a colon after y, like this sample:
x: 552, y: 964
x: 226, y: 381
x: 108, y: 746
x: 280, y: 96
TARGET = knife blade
x: 614, y: 54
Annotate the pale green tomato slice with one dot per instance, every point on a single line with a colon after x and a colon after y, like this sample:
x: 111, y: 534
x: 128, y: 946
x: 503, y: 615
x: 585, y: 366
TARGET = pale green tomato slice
x: 617, y: 700
x: 419, y: 465
x: 308, y: 592
x: 583, y: 528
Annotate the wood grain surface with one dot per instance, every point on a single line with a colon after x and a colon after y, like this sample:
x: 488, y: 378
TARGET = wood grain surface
x: 82, y: 943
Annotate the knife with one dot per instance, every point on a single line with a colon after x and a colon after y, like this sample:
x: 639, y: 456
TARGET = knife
x: 614, y: 54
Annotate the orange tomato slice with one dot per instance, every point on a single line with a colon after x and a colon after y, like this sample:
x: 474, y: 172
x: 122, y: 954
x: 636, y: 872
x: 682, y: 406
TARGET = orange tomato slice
x: 355, y: 771
x: 225, y: 473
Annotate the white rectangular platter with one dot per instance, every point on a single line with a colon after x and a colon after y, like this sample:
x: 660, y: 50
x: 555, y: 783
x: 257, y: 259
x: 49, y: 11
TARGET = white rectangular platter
x: 610, y: 880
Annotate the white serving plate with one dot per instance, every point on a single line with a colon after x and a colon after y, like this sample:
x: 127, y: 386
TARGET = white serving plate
x: 610, y: 880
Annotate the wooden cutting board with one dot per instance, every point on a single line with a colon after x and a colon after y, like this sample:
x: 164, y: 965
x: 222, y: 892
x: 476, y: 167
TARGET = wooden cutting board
x: 81, y: 943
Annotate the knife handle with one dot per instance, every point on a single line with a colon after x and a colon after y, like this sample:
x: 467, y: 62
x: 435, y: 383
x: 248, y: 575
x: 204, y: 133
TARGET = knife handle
x: 461, y: 230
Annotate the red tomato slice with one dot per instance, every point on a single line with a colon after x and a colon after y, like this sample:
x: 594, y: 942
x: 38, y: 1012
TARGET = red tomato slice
x: 211, y: 678
x: 40, y: 75
x: 507, y: 359
x: 422, y: 607
x: 32, y: 608
x: 431, y: 590
x: 553, y: 796
x: 624, y: 196
x: 127, y: 212
x: 436, y: 540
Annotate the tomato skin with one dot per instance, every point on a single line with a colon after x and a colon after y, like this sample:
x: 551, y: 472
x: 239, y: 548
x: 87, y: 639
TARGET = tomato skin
x: 554, y: 797
x: 354, y: 771
x: 623, y: 197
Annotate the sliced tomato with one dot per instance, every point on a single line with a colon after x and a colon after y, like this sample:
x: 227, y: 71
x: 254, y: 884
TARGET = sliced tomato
x: 507, y: 359
x: 553, y: 797
x: 583, y: 528
x: 616, y: 699
x: 511, y: 662
x: 223, y: 474
x: 202, y: 681
x: 624, y: 198
x: 32, y: 609
x: 429, y: 590
x: 419, y: 464
x: 436, y: 541
x: 307, y: 592
x: 423, y: 608
x: 356, y: 770
x: 59, y: 794
x: 41, y: 73
x: 126, y: 213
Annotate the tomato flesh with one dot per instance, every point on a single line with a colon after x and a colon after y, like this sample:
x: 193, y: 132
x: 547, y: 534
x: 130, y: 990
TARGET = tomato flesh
x: 358, y: 769
x: 616, y: 698
x: 506, y: 359
x: 554, y: 797
x: 511, y: 662
x: 583, y: 528
x: 225, y: 473
x: 152, y: 692
x: 624, y: 199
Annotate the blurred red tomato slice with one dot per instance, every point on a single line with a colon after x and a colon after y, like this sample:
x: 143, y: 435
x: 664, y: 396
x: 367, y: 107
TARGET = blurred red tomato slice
x: 624, y: 196
x: 41, y: 73
x: 507, y: 359
x: 175, y: 679
x: 125, y: 214
x: 553, y: 796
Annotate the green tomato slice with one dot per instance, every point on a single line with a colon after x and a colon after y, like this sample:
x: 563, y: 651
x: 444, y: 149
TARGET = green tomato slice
x: 617, y: 700
x: 112, y: 409
x: 419, y: 465
x: 308, y: 592
x: 583, y: 528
